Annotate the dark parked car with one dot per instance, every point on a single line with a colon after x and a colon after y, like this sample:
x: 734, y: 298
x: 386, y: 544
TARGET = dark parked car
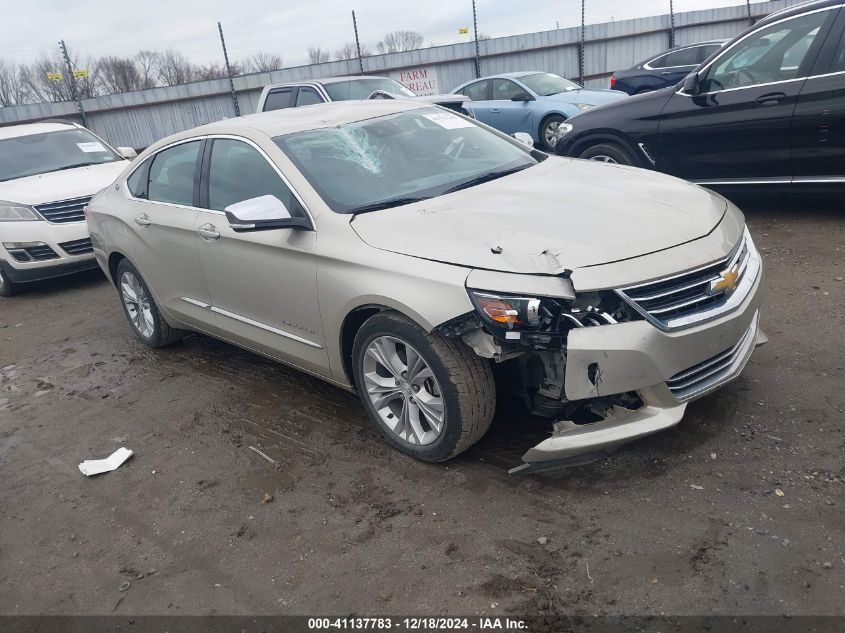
x: 769, y: 108
x: 666, y: 69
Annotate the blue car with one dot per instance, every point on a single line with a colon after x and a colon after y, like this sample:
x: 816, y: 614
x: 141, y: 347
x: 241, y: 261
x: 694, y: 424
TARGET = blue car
x: 665, y: 69
x: 532, y: 102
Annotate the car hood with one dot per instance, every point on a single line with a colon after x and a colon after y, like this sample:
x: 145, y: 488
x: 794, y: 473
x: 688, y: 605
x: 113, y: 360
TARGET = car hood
x: 589, y: 97
x: 561, y: 214
x: 61, y: 185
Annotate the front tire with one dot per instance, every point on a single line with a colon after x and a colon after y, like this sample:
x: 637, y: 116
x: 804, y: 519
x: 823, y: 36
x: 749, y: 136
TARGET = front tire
x: 431, y: 397
x: 609, y: 153
x: 548, y: 131
x: 7, y: 288
x: 141, y: 311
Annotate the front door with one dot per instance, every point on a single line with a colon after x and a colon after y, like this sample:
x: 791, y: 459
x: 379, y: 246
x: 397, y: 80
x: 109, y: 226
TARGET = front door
x: 736, y: 127
x: 510, y: 116
x: 161, y: 228
x: 262, y: 283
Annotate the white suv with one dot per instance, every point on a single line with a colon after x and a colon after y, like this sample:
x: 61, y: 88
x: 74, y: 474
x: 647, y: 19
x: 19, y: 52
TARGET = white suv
x: 48, y: 173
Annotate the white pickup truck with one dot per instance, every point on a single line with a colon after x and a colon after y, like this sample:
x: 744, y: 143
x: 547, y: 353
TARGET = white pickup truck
x: 312, y: 91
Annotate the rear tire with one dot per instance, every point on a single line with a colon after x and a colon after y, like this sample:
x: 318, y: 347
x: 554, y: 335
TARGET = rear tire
x: 7, y: 288
x: 141, y: 311
x: 609, y: 152
x: 436, y: 398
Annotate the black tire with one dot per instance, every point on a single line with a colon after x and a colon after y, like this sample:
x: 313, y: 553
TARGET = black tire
x: 609, y: 152
x: 552, y: 119
x: 465, y: 383
x: 7, y: 288
x: 161, y: 333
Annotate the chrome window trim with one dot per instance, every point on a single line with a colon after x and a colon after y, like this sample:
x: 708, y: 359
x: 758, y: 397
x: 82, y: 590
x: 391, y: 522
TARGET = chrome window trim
x: 247, y: 320
x: 739, y: 41
x: 648, y: 66
x: 233, y: 137
x: 772, y: 181
x: 751, y: 268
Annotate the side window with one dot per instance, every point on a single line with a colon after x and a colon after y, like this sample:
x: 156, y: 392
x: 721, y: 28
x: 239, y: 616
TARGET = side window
x: 683, y: 57
x: 137, y: 182
x: 172, y: 174
x: 774, y: 53
x: 278, y: 99
x: 709, y: 50
x: 838, y: 65
x: 307, y: 96
x: 504, y: 90
x: 238, y: 172
x: 477, y: 91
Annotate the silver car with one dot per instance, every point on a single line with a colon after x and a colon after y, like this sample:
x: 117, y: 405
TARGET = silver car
x: 408, y: 253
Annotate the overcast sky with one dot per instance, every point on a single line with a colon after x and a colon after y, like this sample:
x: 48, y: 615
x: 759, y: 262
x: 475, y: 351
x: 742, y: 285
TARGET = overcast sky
x: 285, y: 27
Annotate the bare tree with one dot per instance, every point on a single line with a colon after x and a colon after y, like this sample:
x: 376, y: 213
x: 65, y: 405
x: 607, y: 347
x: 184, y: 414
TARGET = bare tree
x: 350, y: 51
x: 34, y: 79
x: 318, y: 55
x: 215, y: 71
x: 147, y: 62
x: 12, y: 91
x: 173, y: 68
x: 399, y: 41
x: 118, y: 74
x: 262, y: 62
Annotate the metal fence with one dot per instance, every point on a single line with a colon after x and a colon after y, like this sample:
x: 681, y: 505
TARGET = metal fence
x: 138, y: 119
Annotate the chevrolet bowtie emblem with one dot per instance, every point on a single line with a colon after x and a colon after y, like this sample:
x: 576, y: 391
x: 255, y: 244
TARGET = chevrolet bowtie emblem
x: 726, y: 283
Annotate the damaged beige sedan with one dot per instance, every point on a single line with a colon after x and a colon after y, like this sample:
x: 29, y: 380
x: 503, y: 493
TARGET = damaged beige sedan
x: 408, y: 253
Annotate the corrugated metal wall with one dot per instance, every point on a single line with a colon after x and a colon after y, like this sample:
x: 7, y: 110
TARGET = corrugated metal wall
x: 138, y: 119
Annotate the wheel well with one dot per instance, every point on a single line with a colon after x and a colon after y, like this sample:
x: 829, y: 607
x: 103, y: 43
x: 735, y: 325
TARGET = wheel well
x: 579, y: 147
x: 114, y: 262
x: 351, y: 324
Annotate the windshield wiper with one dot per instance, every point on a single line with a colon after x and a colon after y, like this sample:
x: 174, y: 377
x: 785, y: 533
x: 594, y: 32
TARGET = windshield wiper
x: 386, y: 204
x: 490, y: 175
x: 74, y: 166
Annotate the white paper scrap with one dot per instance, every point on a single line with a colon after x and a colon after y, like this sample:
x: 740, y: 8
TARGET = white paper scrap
x: 92, y: 146
x: 96, y: 466
x: 448, y: 120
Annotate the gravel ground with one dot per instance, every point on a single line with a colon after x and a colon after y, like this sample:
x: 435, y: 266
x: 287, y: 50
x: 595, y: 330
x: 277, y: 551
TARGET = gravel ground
x: 739, y: 510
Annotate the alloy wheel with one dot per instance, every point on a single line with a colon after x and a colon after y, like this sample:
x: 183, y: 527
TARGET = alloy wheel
x: 604, y: 159
x: 551, y: 133
x: 137, y: 304
x: 403, y: 391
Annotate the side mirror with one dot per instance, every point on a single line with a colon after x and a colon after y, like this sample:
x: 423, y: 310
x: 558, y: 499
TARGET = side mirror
x: 524, y: 138
x: 522, y: 96
x: 691, y: 84
x: 261, y: 214
x: 127, y: 152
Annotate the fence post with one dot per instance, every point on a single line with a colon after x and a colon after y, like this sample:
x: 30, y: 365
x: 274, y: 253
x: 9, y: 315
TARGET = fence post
x: 475, y: 30
x: 671, y: 25
x: 229, y: 71
x: 581, y: 62
x: 72, y: 79
x: 357, y: 43
x: 750, y: 18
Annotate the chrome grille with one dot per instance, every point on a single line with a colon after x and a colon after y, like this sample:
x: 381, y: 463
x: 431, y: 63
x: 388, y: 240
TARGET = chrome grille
x: 695, y: 296
x: 64, y: 211
x: 714, y: 371
x: 78, y: 247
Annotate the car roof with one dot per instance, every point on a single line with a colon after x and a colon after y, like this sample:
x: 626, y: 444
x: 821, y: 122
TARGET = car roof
x: 312, y: 117
x: 797, y: 9
x: 27, y: 129
x: 327, y: 80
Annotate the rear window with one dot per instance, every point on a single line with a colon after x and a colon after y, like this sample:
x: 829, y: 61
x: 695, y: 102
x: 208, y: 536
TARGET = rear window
x: 683, y: 57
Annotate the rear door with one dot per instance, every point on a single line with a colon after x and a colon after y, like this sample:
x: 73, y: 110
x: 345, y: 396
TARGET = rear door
x: 479, y: 94
x: 161, y: 226
x: 736, y: 129
x: 818, y: 126
x: 510, y: 116
x: 262, y: 283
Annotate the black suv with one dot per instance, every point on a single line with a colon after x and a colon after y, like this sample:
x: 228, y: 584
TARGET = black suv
x: 769, y: 108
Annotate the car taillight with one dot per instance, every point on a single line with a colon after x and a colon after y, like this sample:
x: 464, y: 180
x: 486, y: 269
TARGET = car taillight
x: 612, y: 81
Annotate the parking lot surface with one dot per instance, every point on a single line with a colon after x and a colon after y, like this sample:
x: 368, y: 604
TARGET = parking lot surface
x: 739, y: 510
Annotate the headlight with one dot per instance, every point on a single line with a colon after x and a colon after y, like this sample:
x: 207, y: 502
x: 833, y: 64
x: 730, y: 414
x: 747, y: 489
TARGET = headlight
x: 583, y: 106
x: 13, y: 212
x: 562, y: 130
x: 504, y: 311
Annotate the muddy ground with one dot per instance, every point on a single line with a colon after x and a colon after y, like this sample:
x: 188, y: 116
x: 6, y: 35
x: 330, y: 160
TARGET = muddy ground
x: 740, y: 510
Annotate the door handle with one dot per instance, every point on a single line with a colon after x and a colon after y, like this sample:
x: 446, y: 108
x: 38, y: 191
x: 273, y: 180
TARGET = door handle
x: 771, y: 98
x: 494, y: 110
x: 666, y: 72
x: 208, y: 232
x: 142, y: 220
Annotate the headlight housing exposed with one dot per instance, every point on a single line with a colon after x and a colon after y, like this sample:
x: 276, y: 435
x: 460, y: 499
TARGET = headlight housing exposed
x: 584, y: 106
x: 542, y: 319
x: 14, y: 212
